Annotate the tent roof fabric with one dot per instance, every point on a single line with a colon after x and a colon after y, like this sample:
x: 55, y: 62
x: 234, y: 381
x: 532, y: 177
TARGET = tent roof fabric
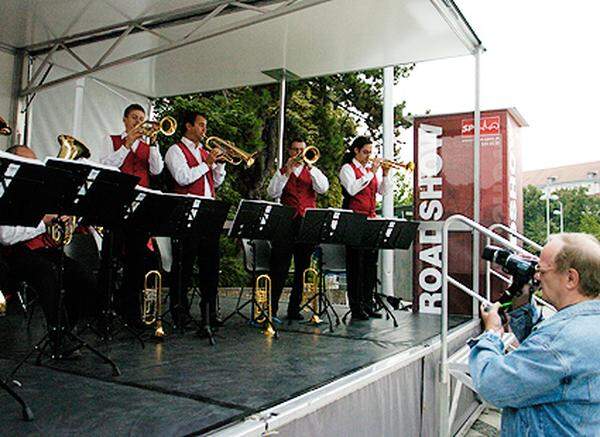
x: 157, y: 48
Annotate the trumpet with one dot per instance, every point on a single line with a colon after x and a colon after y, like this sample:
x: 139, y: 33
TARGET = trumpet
x: 166, y: 126
x: 310, y: 155
x: 410, y: 166
x: 231, y: 153
x: 152, y: 302
x: 5, y: 129
x: 263, y: 312
x: 2, y: 304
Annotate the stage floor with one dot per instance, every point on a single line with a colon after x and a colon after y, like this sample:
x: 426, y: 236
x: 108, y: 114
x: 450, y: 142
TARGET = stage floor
x: 184, y: 386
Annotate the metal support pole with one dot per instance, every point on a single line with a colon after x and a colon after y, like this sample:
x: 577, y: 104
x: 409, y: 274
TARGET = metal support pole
x: 476, y: 181
x: 562, y: 218
x: 282, y: 91
x: 547, y: 211
x: 387, y: 256
x: 78, y: 108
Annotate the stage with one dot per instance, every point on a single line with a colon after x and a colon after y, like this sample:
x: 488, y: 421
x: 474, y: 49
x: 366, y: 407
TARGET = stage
x: 184, y: 386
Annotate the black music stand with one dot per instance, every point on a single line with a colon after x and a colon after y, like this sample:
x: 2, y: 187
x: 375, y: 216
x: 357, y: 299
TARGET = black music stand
x: 260, y: 220
x: 386, y: 233
x: 103, y: 199
x: 194, y: 217
x: 328, y: 226
x: 76, y: 185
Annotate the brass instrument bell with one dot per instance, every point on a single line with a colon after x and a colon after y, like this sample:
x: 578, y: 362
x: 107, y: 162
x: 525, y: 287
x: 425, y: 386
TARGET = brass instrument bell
x: 409, y: 166
x: 231, y: 153
x: 72, y: 148
x: 310, y: 155
x: 166, y: 126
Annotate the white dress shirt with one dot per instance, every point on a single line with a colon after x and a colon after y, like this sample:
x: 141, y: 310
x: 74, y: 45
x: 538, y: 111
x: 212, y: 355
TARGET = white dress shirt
x: 116, y: 158
x: 353, y: 185
x: 320, y: 183
x: 184, y: 175
x: 10, y: 235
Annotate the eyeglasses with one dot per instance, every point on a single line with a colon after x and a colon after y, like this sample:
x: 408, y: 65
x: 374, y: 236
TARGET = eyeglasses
x: 540, y: 271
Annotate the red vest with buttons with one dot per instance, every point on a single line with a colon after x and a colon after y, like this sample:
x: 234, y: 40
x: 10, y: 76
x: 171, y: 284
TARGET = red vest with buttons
x: 42, y: 241
x: 298, y: 192
x: 363, y: 202
x: 196, y: 187
x: 137, y: 163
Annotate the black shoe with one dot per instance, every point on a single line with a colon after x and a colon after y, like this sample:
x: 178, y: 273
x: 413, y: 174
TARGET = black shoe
x: 295, y: 316
x: 359, y: 315
x: 373, y: 314
x: 216, y: 322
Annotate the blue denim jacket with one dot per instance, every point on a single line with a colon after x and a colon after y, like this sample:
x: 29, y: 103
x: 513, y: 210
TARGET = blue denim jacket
x: 549, y: 385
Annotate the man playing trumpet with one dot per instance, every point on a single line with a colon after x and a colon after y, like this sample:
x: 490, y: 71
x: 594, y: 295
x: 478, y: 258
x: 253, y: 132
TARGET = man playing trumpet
x: 132, y: 155
x: 195, y: 171
x: 297, y: 185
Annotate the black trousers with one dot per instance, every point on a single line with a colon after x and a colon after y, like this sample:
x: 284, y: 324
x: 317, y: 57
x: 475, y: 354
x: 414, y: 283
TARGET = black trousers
x: 208, y: 255
x: 279, y: 266
x: 137, y: 260
x: 3, y: 273
x: 40, y: 268
x: 361, y: 277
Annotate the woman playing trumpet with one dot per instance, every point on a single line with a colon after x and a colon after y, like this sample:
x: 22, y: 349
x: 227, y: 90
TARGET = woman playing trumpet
x: 362, y: 178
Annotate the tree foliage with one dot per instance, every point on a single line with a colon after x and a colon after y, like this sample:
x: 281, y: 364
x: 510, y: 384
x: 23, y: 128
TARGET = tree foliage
x: 581, y: 212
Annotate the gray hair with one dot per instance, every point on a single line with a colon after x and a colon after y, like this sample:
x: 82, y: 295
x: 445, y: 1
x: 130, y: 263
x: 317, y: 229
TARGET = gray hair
x: 580, y: 252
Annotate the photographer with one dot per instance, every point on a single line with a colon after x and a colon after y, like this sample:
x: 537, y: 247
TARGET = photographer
x: 549, y: 385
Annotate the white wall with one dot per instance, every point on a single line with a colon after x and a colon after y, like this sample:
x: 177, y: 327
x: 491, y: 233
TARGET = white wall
x: 6, y: 77
x: 53, y: 113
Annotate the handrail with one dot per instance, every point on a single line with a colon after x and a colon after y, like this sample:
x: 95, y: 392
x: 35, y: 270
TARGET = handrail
x: 444, y: 389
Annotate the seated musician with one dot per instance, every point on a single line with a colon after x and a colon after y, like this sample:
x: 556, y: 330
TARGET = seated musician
x: 362, y: 178
x: 195, y: 171
x: 297, y: 184
x: 132, y: 155
x: 33, y: 256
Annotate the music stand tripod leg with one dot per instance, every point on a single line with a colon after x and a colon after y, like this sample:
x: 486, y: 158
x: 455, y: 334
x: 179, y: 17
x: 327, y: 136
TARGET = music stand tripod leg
x: 382, y: 305
x: 27, y: 413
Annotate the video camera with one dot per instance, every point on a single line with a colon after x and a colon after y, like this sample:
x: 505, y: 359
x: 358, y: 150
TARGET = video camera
x: 521, y: 269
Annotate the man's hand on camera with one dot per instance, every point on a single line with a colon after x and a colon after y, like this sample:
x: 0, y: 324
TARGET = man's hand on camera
x: 491, y: 319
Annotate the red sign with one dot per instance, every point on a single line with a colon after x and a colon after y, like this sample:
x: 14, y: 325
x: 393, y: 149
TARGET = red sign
x: 489, y: 126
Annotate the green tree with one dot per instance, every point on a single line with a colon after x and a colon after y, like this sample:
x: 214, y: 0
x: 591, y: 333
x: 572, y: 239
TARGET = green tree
x: 581, y: 212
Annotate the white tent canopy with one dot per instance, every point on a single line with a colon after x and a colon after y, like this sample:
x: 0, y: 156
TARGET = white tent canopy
x: 157, y: 48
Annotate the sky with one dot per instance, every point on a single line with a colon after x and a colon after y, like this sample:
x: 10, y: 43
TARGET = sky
x: 543, y: 58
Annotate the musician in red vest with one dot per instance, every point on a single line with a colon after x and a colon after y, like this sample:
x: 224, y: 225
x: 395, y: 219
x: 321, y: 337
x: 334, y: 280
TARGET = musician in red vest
x: 199, y: 172
x: 296, y: 184
x: 133, y: 155
x: 130, y: 153
x: 361, y: 180
x: 33, y: 256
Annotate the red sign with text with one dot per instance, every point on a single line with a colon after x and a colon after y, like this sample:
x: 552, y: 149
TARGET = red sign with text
x: 443, y: 186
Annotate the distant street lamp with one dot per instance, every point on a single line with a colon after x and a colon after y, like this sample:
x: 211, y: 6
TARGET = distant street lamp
x: 560, y: 212
x: 547, y: 197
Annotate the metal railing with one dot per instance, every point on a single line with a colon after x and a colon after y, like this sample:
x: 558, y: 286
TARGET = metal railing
x: 476, y: 229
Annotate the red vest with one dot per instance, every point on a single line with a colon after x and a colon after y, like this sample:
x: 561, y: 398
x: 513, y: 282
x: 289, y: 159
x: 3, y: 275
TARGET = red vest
x: 363, y: 202
x: 196, y: 187
x: 298, y: 192
x: 137, y: 163
x: 42, y: 241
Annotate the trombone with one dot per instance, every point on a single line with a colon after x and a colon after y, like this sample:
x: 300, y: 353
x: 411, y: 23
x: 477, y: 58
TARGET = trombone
x: 166, y: 126
x: 310, y: 296
x: 231, y: 153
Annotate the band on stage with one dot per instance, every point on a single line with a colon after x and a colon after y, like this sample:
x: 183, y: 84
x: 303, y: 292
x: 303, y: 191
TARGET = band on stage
x: 34, y: 254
